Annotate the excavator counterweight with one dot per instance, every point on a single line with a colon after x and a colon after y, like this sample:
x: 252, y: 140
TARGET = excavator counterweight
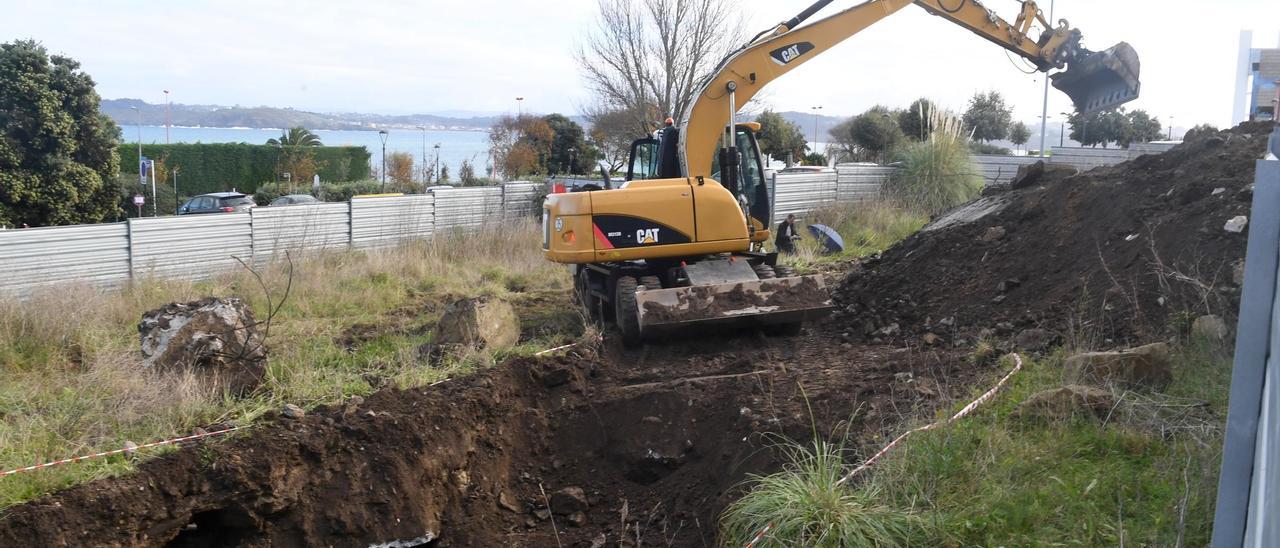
x: 1101, y: 80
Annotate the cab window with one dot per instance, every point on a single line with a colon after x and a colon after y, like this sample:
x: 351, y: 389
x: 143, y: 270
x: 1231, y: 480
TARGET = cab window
x: 644, y: 160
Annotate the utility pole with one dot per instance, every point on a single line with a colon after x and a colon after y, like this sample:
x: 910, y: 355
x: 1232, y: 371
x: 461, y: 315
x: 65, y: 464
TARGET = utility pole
x: 424, y: 156
x: 166, y: 116
x: 815, y: 127
x: 1062, y: 130
x: 382, y: 133
x: 142, y: 173
x: 1044, y: 111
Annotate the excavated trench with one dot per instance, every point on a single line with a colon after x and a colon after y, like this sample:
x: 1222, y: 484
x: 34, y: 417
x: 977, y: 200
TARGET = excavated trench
x: 657, y: 441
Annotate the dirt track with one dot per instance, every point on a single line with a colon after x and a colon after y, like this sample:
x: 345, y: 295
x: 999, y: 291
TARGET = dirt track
x: 657, y: 439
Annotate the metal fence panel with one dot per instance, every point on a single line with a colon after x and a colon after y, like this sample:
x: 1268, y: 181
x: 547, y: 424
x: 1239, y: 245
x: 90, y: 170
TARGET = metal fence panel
x: 800, y: 193
x: 299, y: 229
x: 518, y: 200
x: 190, y: 246
x: 860, y: 183
x: 388, y: 220
x: 467, y: 208
x: 998, y: 169
x: 98, y: 254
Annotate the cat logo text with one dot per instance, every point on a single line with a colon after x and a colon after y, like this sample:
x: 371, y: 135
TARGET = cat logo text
x: 647, y: 236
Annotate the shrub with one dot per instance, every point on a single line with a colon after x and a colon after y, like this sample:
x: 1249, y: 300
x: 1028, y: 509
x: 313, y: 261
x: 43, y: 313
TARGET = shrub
x: 216, y: 167
x: 804, y: 505
x: 341, y: 192
x: 937, y: 173
x: 978, y: 147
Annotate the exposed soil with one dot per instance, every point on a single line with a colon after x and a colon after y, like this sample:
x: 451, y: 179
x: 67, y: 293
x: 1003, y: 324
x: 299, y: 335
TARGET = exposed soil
x: 1115, y: 255
x: 659, y: 439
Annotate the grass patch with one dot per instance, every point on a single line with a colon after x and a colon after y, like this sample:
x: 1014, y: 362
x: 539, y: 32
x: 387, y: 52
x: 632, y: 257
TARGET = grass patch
x: 1147, y: 476
x: 867, y: 228
x: 73, y: 380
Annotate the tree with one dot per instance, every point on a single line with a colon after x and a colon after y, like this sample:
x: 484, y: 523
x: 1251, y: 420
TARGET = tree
x: 58, y: 161
x: 568, y: 145
x: 648, y: 57
x: 467, y: 173
x: 1143, y: 128
x: 815, y: 159
x: 521, y: 145
x: 296, y: 137
x: 871, y: 135
x: 400, y: 170
x: 1019, y: 134
x: 916, y: 121
x: 612, y: 131
x: 444, y: 174
x: 780, y: 138
x: 988, y: 117
x: 1100, y: 127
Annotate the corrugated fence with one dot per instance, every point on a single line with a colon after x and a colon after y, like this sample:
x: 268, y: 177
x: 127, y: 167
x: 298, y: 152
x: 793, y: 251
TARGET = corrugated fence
x: 999, y: 169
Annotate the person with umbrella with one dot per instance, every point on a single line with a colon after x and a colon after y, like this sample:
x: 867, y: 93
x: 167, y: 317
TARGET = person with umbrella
x: 787, y: 236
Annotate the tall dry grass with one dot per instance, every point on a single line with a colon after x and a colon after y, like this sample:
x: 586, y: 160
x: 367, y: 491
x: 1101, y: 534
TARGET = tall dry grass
x: 73, y: 379
x: 938, y: 172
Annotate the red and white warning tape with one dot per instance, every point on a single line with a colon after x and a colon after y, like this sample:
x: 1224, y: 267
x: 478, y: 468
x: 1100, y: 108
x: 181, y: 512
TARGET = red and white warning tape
x: 1017, y: 366
x: 118, y: 451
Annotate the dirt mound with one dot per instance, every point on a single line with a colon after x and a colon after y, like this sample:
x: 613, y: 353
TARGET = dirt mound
x: 656, y: 440
x: 1116, y: 254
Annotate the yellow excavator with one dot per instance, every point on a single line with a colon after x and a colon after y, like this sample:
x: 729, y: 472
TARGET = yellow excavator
x: 680, y: 244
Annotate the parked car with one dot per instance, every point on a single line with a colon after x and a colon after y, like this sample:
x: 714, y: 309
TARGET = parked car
x: 294, y: 199
x: 217, y: 202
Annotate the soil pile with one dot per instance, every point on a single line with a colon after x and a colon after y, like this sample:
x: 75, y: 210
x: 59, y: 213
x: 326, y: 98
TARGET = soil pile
x: 1114, y: 255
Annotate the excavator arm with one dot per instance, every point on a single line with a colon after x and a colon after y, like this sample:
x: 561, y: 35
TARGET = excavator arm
x: 1093, y: 80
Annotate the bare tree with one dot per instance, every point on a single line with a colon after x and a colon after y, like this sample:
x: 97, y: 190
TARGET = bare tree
x: 612, y: 130
x: 649, y: 57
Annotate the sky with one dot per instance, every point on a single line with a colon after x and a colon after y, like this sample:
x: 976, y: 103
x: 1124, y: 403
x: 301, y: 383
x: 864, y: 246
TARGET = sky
x: 477, y: 56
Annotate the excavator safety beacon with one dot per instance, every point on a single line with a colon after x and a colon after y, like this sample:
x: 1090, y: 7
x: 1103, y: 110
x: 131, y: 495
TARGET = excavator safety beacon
x: 680, y: 244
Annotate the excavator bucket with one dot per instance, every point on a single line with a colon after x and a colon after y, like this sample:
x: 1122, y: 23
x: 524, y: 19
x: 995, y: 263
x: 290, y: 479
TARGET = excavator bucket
x: 1101, y: 80
x: 739, y: 304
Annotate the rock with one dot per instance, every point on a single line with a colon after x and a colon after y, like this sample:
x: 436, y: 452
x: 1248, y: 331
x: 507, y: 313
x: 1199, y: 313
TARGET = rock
x: 1034, y: 340
x: 1218, y: 191
x: 1066, y: 402
x: 931, y: 339
x: 215, y: 338
x: 1237, y: 272
x: 478, y: 323
x: 577, y: 519
x: 130, y: 447
x: 890, y: 330
x: 1209, y: 327
x: 903, y: 376
x: 292, y: 411
x: 556, y: 376
x: 1236, y: 224
x: 509, y: 502
x: 1027, y: 175
x: 994, y: 233
x: 568, y: 501
x: 1147, y: 366
x: 1008, y: 284
x: 599, y: 541
x: 542, y: 514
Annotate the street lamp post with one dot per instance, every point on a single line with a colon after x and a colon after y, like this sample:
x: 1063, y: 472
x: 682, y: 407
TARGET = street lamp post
x: 176, y: 202
x: 437, y: 163
x: 520, y: 106
x: 1044, y: 110
x: 142, y: 176
x: 382, y: 134
x: 1170, y: 128
x: 1062, y: 129
x: 815, y: 126
x: 166, y: 116
x: 424, y: 155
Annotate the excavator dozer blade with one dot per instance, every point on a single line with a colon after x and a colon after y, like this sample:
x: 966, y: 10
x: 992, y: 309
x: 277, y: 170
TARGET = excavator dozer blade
x: 1102, y: 79
x: 742, y: 303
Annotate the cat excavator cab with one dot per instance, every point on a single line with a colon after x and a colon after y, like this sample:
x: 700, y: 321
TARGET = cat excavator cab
x: 680, y: 244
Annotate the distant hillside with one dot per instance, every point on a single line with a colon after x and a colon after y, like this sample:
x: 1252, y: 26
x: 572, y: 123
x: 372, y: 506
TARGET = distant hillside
x: 121, y: 110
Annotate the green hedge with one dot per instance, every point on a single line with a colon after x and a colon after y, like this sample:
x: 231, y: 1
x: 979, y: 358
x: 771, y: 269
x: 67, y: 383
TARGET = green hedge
x: 213, y: 167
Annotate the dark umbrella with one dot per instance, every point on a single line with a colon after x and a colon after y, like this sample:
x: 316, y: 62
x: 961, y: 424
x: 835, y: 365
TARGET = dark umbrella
x: 828, y: 238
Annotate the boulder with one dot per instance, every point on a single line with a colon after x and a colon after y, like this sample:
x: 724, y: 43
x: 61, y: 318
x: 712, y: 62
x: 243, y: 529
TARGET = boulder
x: 1034, y: 340
x: 1144, y: 366
x: 1209, y: 327
x: 216, y: 338
x: 1030, y: 174
x: 568, y: 500
x: 994, y: 233
x: 1066, y: 402
x: 1236, y: 224
x: 482, y: 322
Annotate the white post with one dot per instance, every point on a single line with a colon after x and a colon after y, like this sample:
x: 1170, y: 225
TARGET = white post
x: 155, y: 209
x: 1044, y: 109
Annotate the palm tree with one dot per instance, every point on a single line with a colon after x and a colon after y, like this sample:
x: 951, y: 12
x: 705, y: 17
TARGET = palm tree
x: 298, y: 136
